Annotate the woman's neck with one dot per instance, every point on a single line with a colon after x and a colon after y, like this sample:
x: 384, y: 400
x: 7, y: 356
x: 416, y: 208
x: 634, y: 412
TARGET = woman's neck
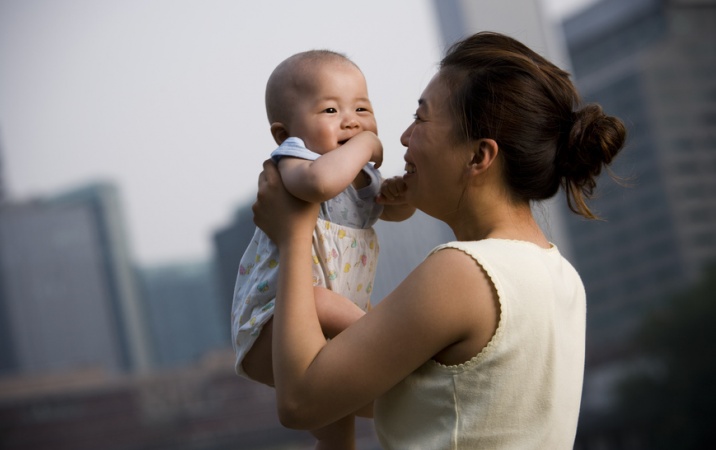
x: 504, y: 220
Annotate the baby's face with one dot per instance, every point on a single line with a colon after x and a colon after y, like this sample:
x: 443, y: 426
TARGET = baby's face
x: 335, y: 109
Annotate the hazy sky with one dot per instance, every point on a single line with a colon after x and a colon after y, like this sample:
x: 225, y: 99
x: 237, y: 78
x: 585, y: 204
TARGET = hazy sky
x: 165, y: 97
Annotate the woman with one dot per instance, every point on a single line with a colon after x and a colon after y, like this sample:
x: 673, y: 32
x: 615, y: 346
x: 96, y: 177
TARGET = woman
x: 482, y: 345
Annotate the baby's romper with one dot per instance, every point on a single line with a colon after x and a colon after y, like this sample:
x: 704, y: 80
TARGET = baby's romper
x: 345, y: 254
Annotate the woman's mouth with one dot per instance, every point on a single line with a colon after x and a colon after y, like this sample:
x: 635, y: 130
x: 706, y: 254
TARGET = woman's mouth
x: 409, y: 168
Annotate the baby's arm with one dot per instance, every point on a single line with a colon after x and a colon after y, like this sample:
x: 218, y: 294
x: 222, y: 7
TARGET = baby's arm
x: 330, y: 174
x: 392, y: 197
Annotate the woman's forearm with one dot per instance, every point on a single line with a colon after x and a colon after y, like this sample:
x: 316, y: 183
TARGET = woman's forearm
x: 297, y: 335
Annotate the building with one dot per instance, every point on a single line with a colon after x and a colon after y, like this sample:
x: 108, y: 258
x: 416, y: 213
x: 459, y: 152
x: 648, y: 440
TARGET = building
x: 461, y: 18
x: 651, y: 63
x: 67, y: 289
x: 3, y: 193
x: 183, y: 312
x: 229, y: 245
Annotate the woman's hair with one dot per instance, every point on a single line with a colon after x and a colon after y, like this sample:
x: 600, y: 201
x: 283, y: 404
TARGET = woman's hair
x: 504, y: 91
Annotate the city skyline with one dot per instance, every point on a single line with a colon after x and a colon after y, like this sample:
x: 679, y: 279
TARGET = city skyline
x: 645, y: 61
x: 160, y: 100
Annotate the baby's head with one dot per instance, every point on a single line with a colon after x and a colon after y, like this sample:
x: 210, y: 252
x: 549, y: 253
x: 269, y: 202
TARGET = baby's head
x: 321, y: 97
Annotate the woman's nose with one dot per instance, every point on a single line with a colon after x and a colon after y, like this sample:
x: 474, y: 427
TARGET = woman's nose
x: 405, y: 137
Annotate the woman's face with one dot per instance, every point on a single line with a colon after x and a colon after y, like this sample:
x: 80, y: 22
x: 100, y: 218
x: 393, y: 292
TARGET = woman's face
x: 435, y: 163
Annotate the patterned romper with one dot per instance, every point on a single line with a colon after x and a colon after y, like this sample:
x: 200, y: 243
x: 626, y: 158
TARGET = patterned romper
x: 345, y: 254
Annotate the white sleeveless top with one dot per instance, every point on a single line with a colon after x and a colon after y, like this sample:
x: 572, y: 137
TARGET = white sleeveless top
x: 523, y: 390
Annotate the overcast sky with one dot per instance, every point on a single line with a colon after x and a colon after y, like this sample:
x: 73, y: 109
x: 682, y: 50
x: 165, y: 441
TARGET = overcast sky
x: 165, y: 97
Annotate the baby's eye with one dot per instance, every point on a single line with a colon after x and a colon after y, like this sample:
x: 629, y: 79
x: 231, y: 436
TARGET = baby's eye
x: 330, y: 110
x: 362, y: 110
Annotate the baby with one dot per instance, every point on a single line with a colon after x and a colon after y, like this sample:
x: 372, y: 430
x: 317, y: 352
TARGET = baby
x: 322, y: 119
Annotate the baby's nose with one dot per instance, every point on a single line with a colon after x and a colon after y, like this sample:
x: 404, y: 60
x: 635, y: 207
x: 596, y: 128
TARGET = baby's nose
x: 350, y: 121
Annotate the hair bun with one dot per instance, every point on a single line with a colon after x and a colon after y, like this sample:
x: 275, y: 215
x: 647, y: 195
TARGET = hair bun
x: 593, y: 141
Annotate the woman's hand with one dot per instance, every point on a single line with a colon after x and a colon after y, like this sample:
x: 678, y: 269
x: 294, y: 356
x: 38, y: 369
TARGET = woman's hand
x: 279, y: 214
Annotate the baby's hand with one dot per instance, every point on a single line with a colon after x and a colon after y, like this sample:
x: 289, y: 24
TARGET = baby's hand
x: 370, y: 140
x: 392, y: 197
x: 392, y: 191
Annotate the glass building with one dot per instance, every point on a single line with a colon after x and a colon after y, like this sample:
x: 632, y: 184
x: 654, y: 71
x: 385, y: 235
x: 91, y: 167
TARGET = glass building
x: 651, y: 63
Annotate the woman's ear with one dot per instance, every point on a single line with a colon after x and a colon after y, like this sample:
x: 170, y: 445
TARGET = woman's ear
x: 279, y: 132
x: 484, y: 155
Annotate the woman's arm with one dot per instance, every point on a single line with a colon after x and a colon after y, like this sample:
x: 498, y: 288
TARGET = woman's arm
x: 445, y: 309
x: 436, y: 312
x: 330, y: 174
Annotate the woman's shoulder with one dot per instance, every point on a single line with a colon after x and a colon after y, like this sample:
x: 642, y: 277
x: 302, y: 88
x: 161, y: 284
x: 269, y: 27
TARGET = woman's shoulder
x: 494, y: 248
x: 498, y: 258
x: 452, y: 267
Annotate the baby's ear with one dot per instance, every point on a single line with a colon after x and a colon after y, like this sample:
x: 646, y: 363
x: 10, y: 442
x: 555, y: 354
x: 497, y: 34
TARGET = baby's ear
x: 279, y: 132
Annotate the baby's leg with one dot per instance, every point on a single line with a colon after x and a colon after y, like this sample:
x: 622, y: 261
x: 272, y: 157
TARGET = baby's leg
x: 335, y: 314
x: 257, y: 363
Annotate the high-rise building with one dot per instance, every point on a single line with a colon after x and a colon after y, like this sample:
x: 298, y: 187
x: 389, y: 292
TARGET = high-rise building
x: 461, y: 18
x: 229, y: 245
x: 3, y: 187
x: 651, y: 63
x: 183, y: 312
x: 67, y: 292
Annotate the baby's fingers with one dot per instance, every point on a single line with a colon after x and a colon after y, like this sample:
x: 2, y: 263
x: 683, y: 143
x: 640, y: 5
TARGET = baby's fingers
x: 392, y: 189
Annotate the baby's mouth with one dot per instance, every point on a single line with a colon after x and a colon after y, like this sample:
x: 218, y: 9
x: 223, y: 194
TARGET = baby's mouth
x: 409, y: 168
